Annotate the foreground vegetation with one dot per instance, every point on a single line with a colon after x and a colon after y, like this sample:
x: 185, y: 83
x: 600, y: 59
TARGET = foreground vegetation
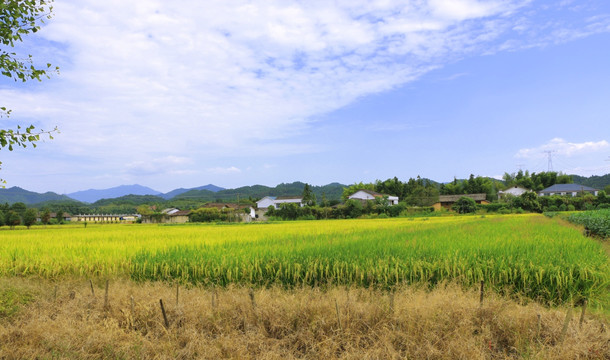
x: 65, y: 321
x: 528, y: 255
x: 595, y: 222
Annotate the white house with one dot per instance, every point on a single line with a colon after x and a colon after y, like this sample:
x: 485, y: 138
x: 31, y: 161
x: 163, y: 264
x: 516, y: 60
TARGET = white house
x: 365, y: 195
x: 515, y: 191
x: 276, y: 201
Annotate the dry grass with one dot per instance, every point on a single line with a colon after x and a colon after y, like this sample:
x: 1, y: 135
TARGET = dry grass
x: 445, y: 323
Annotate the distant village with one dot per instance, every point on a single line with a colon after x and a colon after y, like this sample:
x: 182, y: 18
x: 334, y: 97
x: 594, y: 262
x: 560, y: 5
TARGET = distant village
x: 360, y: 202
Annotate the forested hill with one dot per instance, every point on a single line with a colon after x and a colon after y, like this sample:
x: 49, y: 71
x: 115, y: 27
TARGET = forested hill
x: 332, y: 191
x: 597, y: 182
x: 17, y: 194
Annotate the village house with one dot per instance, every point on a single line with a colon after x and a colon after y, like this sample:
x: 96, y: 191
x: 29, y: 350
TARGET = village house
x: 277, y: 201
x: 514, y: 191
x: 568, y: 189
x: 447, y: 201
x: 367, y: 195
x: 105, y: 218
x: 167, y: 216
x: 237, y: 208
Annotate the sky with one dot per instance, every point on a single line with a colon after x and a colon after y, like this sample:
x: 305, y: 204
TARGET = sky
x: 235, y: 93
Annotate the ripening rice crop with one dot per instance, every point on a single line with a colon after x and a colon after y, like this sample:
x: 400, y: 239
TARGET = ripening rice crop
x: 527, y: 254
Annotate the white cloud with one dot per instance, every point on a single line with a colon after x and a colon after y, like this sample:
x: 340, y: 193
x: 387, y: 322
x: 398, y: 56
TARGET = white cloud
x: 163, y: 165
x: 562, y: 147
x: 245, y: 78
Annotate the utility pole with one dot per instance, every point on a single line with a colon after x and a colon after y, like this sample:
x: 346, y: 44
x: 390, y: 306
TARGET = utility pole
x: 549, y: 154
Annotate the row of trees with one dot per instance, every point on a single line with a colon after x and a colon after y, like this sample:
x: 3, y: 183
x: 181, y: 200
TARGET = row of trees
x: 536, y: 181
x: 414, y: 192
x: 351, y: 209
x: 19, y: 214
x: 531, y: 202
x: 214, y: 215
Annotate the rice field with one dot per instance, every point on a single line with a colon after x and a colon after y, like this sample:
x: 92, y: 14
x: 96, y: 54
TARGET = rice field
x: 528, y: 254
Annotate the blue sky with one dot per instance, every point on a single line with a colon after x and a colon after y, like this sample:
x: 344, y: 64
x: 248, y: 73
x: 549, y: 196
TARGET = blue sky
x: 237, y: 93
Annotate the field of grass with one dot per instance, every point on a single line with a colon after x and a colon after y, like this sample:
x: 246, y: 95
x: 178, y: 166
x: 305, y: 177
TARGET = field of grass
x: 528, y: 255
x: 63, y: 320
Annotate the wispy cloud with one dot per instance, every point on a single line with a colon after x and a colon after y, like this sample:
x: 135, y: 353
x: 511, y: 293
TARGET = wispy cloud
x: 562, y: 147
x: 247, y: 77
x: 223, y: 170
x: 155, y: 166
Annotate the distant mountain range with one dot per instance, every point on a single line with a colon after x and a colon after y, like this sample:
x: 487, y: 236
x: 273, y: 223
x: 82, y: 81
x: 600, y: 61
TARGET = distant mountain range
x: 92, y: 195
x: 17, y: 194
x: 176, y: 192
x: 332, y: 191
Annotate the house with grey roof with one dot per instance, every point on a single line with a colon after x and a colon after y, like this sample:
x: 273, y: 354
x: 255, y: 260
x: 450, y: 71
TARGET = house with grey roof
x: 568, y: 189
x: 447, y: 201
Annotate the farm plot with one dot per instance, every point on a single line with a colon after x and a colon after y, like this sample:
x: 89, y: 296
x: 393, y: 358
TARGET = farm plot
x: 597, y: 222
x: 525, y: 254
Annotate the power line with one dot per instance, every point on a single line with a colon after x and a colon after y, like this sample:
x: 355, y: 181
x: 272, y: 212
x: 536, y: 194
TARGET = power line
x: 550, y: 157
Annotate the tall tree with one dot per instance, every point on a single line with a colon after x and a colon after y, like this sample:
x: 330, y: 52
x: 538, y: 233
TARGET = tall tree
x: 309, y: 198
x: 46, y: 216
x: 12, y: 219
x: 17, y: 19
x: 29, y: 217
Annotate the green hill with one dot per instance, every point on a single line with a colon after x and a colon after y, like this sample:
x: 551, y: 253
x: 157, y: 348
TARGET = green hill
x: 597, y: 182
x: 17, y: 194
x: 332, y: 191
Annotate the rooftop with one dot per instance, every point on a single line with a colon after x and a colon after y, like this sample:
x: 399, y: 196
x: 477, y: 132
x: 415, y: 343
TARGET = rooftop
x: 454, y: 198
x: 567, y: 188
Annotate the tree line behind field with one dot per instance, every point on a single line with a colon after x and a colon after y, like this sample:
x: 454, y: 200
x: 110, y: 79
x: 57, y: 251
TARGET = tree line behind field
x: 415, y: 194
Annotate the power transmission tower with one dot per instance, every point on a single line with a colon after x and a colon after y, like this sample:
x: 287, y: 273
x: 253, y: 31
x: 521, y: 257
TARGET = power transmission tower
x: 549, y: 154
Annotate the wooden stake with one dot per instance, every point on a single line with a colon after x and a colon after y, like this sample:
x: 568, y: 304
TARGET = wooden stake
x: 251, y: 293
x: 164, y: 314
x: 106, y: 296
x: 55, y: 293
x: 177, y: 293
x: 92, y: 291
x: 539, y: 325
x: 482, y: 288
x: 214, y: 299
x: 133, y: 307
x: 582, y: 315
x: 391, y: 302
x: 566, y: 322
x: 338, y: 316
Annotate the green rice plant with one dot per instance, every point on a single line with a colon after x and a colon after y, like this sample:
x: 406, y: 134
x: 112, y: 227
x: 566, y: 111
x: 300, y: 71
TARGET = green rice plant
x: 530, y: 255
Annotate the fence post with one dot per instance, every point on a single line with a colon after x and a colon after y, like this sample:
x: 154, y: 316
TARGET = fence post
x: 164, y: 314
x: 566, y: 322
x: 106, y: 296
x: 338, y: 316
x: 582, y: 315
